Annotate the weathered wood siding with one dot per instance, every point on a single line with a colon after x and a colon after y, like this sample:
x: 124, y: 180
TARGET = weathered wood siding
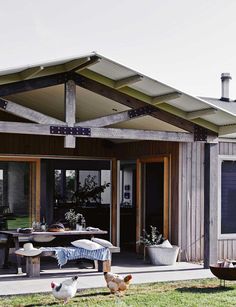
x: 227, y: 248
x: 191, y: 200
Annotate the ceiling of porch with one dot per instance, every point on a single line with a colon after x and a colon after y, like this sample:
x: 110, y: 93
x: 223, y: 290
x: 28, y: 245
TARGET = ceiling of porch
x: 124, y: 80
x: 89, y: 105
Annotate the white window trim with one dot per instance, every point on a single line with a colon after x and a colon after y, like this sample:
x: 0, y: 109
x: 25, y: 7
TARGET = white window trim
x: 220, y: 160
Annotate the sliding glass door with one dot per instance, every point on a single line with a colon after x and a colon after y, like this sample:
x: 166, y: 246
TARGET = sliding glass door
x: 17, y: 194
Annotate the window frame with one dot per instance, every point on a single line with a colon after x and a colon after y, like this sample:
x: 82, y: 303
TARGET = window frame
x: 221, y: 158
x: 35, y: 181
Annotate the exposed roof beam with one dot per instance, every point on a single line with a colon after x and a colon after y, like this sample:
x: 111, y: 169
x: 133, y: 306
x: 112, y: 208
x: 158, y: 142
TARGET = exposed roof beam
x: 127, y: 81
x: 133, y: 134
x: 30, y: 72
x: 90, y: 61
x: 74, y: 64
x: 96, y: 87
x: 165, y: 97
x: 227, y: 131
x: 200, y: 113
x: 105, y: 120
x: 116, y: 118
x: 104, y: 133
x: 27, y: 113
x: 132, y: 102
x: 32, y: 84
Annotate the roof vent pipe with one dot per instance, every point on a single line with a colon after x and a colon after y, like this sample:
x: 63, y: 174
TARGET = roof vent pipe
x: 225, y: 77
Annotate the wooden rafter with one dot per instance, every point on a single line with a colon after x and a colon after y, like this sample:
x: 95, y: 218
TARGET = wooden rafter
x: 132, y: 102
x: 165, y: 97
x: 32, y: 84
x: 30, y: 72
x: 75, y: 64
x: 127, y: 81
x: 27, y: 113
x: 200, y: 113
x: 98, y: 88
x: 92, y: 61
x: 226, y: 131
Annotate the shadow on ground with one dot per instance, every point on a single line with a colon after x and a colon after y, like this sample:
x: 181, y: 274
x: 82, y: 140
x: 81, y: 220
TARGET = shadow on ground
x: 206, y: 290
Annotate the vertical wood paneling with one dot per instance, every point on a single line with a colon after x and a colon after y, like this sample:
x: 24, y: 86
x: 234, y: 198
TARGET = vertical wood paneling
x: 192, y: 200
x: 197, y: 205
x: 201, y: 204
x: 227, y: 248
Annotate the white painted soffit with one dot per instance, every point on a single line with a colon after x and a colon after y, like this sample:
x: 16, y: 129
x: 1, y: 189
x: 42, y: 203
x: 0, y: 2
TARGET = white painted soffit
x: 147, y: 87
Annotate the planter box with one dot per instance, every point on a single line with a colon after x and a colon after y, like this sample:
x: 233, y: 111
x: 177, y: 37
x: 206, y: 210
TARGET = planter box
x: 162, y: 255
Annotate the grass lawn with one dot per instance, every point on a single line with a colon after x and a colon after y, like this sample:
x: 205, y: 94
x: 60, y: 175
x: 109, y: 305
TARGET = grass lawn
x: 201, y: 293
x: 18, y: 222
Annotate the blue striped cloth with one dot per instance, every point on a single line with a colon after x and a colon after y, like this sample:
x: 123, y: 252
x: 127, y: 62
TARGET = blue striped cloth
x: 63, y: 254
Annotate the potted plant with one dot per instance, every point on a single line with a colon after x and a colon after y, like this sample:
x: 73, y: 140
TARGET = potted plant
x: 89, y: 192
x: 74, y: 218
x: 159, y: 250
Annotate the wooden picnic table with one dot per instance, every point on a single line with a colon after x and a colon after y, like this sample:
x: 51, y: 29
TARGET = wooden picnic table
x: 14, y: 235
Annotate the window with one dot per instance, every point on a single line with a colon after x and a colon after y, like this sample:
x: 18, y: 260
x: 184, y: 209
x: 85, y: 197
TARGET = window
x: 227, y: 199
x: 68, y: 181
x: 15, y: 198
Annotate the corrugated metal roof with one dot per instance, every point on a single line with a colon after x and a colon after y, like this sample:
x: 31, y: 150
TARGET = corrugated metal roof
x: 230, y: 106
x: 108, y: 72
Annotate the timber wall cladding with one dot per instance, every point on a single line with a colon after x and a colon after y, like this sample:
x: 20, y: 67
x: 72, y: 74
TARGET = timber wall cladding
x: 191, y: 200
x: 227, y: 248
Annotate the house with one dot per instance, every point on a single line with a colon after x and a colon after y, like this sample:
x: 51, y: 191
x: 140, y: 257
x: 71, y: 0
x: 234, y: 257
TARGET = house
x: 160, y: 148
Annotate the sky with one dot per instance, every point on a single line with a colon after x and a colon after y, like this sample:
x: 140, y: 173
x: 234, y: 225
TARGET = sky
x: 186, y: 44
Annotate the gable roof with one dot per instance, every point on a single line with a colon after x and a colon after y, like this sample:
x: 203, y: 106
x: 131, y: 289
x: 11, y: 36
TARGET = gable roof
x: 208, y: 113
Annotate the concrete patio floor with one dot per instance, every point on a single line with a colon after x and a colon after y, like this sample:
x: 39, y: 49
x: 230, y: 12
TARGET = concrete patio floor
x: 125, y: 263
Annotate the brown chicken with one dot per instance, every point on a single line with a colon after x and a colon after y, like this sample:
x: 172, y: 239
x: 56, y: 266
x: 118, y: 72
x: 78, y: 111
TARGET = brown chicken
x: 116, y: 283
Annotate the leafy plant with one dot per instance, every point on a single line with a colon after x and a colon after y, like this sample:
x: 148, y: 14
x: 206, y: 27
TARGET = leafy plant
x: 89, y: 192
x: 73, y: 218
x: 154, y: 237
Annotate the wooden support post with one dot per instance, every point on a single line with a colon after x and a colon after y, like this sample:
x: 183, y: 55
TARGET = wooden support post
x: 70, y: 109
x: 107, y: 266
x: 33, y: 266
x: 210, y: 204
x: 114, y: 202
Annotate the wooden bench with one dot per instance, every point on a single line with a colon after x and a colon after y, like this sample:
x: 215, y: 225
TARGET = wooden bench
x: 33, y: 263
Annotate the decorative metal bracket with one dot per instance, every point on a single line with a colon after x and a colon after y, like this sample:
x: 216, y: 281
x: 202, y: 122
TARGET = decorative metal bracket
x: 200, y: 134
x: 140, y: 111
x: 3, y: 103
x: 70, y: 130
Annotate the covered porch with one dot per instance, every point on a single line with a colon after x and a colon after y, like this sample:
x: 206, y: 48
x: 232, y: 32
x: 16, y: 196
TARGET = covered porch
x: 124, y: 263
x: 92, y: 109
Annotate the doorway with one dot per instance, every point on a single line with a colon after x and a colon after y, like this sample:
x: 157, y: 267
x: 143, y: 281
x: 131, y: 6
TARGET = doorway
x: 153, y: 191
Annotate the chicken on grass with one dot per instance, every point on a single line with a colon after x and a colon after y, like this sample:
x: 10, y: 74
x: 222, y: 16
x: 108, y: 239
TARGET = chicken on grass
x: 65, y: 290
x: 116, y: 283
